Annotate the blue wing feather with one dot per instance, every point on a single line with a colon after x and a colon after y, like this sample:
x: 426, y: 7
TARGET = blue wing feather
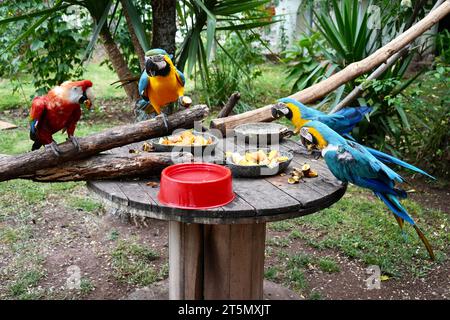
x: 390, y: 159
x: 143, y: 84
x: 181, y: 77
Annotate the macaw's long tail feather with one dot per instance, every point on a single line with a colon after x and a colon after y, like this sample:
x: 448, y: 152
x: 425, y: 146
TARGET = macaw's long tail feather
x: 425, y: 242
x: 401, y: 215
x: 395, y: 206
x: 400, y: 221
x: 386, y: 158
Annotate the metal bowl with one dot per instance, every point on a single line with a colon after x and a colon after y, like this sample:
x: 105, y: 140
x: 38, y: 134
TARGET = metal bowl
x: 192, y: 149
x: 262, y: 170
x: 262, y: 133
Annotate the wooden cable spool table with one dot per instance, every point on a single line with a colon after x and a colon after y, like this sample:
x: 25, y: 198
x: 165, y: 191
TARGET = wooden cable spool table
x: 219, y: 253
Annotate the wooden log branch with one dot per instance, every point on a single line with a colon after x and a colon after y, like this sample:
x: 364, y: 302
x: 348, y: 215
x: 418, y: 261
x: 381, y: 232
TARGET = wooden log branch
x: 352, y: 71
x: 358, y: 90
x: 105, y: 166
x: 231, y: 103
x: 28, y: 163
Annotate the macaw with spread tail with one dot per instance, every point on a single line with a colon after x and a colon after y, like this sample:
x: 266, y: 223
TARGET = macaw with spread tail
x: 161, y: 83
x: 352, y: 162
x: 58, y: 110
x: 342, y: 121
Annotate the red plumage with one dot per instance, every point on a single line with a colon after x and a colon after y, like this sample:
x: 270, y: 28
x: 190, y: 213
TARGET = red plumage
x: 59, y: 109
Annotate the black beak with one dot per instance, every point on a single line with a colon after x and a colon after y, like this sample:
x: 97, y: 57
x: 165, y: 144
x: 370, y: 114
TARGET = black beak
x: 279, y: 110
x: 155, y: 64
x: 83, y: 98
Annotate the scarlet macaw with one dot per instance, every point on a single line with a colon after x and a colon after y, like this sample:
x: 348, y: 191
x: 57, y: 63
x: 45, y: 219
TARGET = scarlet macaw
x: 59, y: 109
x: 352, y: 162
x: 161, y: 83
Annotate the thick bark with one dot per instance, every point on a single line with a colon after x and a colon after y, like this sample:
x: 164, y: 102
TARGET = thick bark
x: 164, y: 24
x: 349, y: 73
x: 109, y: 166
x: 28, y: 163
x: 134, y: 40
x: 119, y: 63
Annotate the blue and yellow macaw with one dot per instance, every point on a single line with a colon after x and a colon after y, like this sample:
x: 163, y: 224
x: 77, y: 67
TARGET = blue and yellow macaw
x: 342, y: 121
x: 352, y: 162
x: 161, y: 83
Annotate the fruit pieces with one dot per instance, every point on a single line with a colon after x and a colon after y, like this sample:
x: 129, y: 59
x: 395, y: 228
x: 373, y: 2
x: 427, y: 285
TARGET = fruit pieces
x: 257, y: 158
x: 304, y: 172
x: 186, y: 138
x: 308, y: 172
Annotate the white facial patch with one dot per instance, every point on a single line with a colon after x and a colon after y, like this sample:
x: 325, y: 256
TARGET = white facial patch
x: 329, y: 147
x: 75, y: 94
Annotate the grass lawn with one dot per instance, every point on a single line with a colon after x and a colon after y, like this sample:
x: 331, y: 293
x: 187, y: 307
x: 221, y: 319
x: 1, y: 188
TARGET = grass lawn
x: 45, y: 227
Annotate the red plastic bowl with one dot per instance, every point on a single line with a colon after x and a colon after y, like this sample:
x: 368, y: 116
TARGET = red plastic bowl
x: 196, y: 186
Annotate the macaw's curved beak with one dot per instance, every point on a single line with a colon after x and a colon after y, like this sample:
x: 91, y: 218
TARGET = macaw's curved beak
x: 279, y: 110
x: 154, y: 64
x: 309, y: 142
x: 85, y: 100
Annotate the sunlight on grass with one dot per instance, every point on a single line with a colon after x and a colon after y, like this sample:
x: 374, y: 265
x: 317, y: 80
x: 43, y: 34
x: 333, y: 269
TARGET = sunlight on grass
x: 101, y: 76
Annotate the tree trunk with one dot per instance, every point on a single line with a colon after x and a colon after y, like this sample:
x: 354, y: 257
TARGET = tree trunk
x: 351, y: 72
x: 164, y: 24
x: 110, y: 166
x: 134, y: 40
x: 25, y: 164
x: 119, y: 63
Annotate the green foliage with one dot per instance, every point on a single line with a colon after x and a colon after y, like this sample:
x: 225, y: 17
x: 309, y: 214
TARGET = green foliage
x: 215, y: 15
x: 306, y: 63
x: 443, y: 45
x: 345, y: 30
x: 54, y: 54
x: 50, y: 56
x: 234, y: 68
x: 121, y: 34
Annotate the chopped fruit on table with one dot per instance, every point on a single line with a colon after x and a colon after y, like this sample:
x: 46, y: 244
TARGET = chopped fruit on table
x: 257, y: 158
x: 186, y: 138
x: 304, y: 172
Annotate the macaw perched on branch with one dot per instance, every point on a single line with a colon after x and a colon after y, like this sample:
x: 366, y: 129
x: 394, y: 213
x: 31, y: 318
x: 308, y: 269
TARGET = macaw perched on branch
x: 352, y: 162
x: 161, y: 83
x: 58, y: 110
x: 342, y: 121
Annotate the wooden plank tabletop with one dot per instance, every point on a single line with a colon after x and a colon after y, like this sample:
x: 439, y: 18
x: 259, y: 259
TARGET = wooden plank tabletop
x: 262, y: 199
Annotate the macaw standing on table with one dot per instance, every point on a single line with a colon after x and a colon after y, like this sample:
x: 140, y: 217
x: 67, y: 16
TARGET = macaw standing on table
x: 342, y: 121
x: 58, y: 110
x: 351, y: 162
x: 161, y: 83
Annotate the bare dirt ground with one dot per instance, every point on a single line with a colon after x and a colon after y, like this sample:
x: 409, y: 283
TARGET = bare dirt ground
x: 66, y: 238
